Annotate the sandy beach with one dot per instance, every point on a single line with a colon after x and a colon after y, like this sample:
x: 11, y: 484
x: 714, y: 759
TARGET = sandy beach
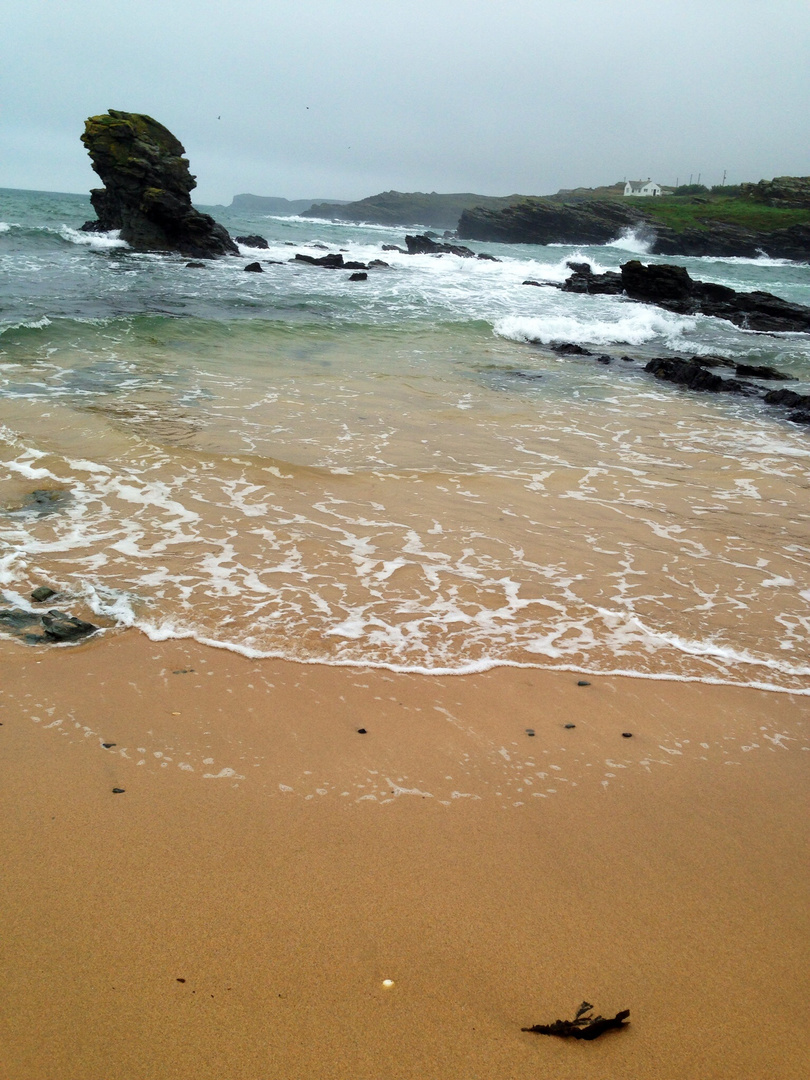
x: 235, y: 910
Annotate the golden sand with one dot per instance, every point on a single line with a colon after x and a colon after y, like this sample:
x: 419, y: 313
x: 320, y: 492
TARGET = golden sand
x: 236, y: 910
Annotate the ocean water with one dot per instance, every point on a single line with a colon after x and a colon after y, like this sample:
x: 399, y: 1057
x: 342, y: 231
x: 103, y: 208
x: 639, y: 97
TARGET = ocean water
x: 398, y: 472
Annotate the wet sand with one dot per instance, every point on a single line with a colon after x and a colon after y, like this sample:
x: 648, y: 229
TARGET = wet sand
x: 235, y: 911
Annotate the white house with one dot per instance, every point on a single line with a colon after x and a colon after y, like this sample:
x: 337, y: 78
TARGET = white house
x: 641, y: 187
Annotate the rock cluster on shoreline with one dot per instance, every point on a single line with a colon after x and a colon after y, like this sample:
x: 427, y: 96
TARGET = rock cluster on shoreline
x: 672, y: 288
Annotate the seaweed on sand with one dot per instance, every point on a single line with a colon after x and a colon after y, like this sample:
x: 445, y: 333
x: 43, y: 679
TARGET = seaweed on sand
x: 583, y: 1026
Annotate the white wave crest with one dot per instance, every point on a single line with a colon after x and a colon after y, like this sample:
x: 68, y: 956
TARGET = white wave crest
x: 33, y: 324
x: 106, y: 241
x: 639, y: 325
x: 4, y: 226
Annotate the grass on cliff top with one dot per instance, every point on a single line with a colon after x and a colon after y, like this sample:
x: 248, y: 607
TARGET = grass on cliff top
x: 689, y: 212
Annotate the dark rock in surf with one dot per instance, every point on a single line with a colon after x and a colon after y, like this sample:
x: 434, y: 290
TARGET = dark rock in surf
x: 254, y: 268
x: 147, y: 186
x: 609, y: 283
x: 569, y: 348
x: 695, y: 376
x: 54, y: 626
x: 360, y: 276
x: 686, y: 373
x: 799, y: 403
x: 42, y: 594
x: 354, y: 266
x: 672, y: 288
x: 253, y: 241
x: 423, y: 245
x: 196, y: 266
x: 61, y: 627
x: 331, y: 262
x: 487, y: 258
x: 378, y: 264
x: 763, y: 371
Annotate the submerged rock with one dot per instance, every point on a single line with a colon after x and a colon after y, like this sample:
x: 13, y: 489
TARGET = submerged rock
x: 54, y: 626
x: 696, y: 376
x: 62, y: 627
x: 42, y: 594
x: 760, y: 371
x: 799, y: 403
x: 41, y: 503
x: 147, y: 186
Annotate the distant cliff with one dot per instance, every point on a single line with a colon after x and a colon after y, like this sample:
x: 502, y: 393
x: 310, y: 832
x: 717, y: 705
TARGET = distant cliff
x: 271, y: 204
x: 408, y: 208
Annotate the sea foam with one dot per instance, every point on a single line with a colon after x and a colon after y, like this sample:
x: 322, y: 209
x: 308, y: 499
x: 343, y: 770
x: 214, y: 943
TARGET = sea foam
x: 633, y: 325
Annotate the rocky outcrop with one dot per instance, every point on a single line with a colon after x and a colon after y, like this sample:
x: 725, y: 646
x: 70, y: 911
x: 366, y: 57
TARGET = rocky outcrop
x: 693, y: 374
x: 544, y: 221
x: 729, y: 240
x: 551, y: 221
x: 789, y: 191
x: 147, y: 186
x: 672, y: 288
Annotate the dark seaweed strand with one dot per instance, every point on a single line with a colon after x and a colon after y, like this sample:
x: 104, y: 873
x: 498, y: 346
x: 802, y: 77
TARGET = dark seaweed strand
x: 582, y: 1026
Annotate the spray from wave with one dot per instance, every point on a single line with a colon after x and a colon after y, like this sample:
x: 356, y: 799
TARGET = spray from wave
x: 95, y: 241
x: 637, y: 240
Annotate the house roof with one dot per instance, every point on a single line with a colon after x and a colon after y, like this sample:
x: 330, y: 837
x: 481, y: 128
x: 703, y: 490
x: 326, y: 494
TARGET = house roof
x: 636, y: 185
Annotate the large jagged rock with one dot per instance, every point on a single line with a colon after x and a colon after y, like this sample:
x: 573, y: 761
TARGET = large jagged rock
x: 147, y: 188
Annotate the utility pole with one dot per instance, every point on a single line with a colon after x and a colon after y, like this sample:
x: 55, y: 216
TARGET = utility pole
x: 724, y: 178
x: 698, y: 177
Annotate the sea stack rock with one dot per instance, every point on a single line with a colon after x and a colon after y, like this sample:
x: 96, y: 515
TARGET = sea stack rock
x: 147, y: 187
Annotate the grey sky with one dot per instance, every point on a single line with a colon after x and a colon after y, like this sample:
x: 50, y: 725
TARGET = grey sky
x: 345, y: 98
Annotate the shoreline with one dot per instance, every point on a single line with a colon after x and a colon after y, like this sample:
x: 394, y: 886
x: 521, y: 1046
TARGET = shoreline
x: 284, y: 865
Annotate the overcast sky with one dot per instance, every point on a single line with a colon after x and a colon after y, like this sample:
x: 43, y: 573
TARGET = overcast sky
x: 346, y: 98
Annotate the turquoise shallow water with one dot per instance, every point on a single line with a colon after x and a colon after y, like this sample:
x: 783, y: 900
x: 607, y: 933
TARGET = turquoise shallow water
x: 387, y: 472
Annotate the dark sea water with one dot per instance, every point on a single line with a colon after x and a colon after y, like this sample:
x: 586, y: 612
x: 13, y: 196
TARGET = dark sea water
x: 388, y: 472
